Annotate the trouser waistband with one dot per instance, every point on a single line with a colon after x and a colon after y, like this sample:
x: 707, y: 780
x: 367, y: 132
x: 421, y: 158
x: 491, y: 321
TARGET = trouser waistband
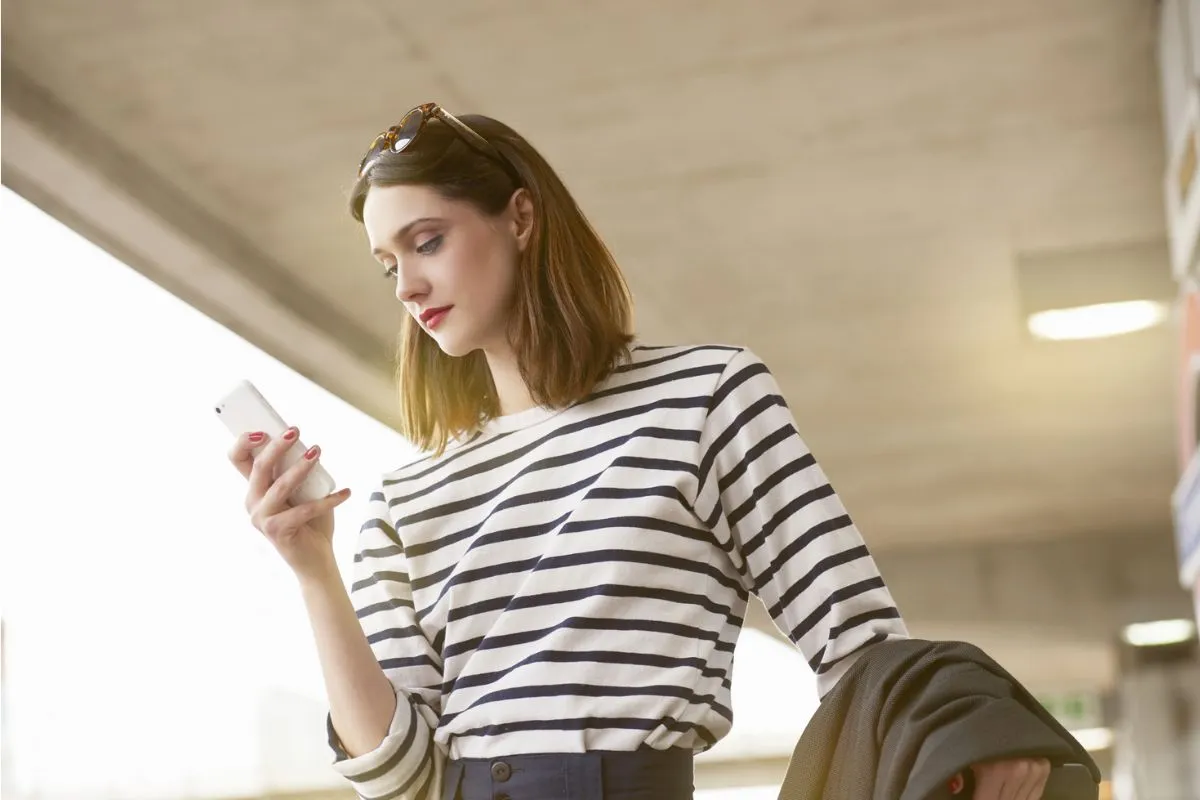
x: 599, y: 775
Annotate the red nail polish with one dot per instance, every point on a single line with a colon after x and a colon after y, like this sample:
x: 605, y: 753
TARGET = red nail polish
x: 957, y: 784
x: 312, y: 452
x: 289, y: 434
x: 257, y: 437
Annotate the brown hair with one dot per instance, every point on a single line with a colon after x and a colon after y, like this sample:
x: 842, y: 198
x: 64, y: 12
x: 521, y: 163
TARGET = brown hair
x: 572, y: 315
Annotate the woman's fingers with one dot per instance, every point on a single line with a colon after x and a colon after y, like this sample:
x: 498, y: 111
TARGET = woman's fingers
x: 276, y: 497
x: 262, y: 473
x: 241, y: 454
x: 293, y: 518
x: 1035, y: 785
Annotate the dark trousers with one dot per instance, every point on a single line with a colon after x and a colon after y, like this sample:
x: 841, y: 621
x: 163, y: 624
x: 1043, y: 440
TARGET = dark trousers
x: 603, y: 775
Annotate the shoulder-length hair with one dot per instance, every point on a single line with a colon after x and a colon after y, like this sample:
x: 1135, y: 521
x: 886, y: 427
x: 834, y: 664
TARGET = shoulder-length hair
x: 572, y: 316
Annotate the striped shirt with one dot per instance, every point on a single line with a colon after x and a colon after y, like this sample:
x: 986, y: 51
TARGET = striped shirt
x: 575, y: 579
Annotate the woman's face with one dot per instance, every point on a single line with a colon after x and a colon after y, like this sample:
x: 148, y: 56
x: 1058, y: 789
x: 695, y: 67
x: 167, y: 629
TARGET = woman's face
x: 455, y: 268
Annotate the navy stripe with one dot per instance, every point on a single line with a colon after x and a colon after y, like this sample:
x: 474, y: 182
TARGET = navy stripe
x: 780, y: 434
x: 606, y: 657
x: 591, y: 690
x: 729, y: 434
x: 822, y: 611
x: 819, y: 569
x: 537, y: 466
x: 586, y: 624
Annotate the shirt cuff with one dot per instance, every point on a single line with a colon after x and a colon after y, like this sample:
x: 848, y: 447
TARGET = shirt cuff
x: 400, y: 739
x: 407, y: 765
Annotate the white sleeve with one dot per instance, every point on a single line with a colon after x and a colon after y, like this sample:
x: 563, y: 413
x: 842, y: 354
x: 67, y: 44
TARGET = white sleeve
x: 787, y: 532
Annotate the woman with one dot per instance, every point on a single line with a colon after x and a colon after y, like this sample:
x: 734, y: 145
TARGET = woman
x: 546, y: 604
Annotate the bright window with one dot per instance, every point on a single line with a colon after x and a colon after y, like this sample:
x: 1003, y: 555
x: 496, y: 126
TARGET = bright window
x: 156, y: 643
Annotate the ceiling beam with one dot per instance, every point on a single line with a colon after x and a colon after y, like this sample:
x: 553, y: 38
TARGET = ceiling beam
x: 79, y: 176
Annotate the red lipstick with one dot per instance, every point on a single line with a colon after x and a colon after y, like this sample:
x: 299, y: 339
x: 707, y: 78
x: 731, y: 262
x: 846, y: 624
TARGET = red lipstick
x: 432, y: 317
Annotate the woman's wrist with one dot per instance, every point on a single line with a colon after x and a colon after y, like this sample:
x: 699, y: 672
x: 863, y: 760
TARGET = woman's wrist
x: 320, y: 576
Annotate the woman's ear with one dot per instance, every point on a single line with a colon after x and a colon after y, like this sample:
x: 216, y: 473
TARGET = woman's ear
x: 520, y: 212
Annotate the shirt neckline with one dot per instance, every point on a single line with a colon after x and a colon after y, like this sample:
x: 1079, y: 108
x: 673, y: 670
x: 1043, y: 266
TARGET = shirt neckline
x: 520, y: 420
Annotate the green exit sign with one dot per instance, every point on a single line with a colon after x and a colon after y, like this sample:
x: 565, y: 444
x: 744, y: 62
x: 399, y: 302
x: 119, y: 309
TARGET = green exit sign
x: 1075, y: 710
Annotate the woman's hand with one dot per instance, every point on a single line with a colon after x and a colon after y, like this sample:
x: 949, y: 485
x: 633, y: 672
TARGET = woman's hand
x: 303, y: 534
x: 1014, y: 779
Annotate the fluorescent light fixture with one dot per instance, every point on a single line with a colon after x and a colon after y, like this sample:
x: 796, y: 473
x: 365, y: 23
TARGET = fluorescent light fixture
x: 1158, y: 633
x: 1093, y: 739
x: 1097, y: 321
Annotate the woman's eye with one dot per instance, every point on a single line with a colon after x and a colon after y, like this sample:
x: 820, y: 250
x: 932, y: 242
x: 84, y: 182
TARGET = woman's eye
x: 430, y: 245
x: 389, y: 271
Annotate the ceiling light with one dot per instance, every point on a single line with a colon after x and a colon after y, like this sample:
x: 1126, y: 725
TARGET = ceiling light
x: 1093, y: 739
x: 1097, y: 321
x: 1094, y: 291
x: 1158, y: 633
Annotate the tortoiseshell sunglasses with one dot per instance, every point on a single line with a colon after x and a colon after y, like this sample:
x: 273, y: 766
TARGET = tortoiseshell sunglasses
x: 398, y: 137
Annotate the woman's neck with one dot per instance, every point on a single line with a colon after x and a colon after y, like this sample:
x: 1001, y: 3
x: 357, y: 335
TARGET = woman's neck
x: 511, y: 392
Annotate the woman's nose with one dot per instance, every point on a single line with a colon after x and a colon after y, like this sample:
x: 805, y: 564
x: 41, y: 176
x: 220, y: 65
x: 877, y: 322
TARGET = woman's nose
x: 405, y: 293
x: 409, y: 287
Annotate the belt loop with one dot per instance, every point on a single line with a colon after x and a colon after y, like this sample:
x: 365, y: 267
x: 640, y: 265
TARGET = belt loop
x: 451, y: 779
x: 591, y: 771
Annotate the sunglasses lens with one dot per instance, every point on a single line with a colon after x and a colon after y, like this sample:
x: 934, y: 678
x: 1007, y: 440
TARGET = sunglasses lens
x: 407, y: 130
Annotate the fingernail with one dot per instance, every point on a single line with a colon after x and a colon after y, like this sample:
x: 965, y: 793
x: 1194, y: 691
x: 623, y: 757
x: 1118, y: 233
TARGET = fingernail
x: 257, y: 437
x: 313, y: 452
x: 289, y: 434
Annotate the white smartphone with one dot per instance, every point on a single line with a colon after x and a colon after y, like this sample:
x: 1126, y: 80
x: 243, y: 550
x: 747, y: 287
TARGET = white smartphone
x: 245, y: 410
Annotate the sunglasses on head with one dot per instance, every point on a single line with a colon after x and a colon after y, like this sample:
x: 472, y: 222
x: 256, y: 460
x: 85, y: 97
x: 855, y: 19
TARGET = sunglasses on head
x: 398, y: 137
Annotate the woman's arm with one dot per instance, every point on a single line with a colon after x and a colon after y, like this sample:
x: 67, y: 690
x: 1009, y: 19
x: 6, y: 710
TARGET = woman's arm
x: 787, y: 532
x: 382, y: 675
x: 361, y: 699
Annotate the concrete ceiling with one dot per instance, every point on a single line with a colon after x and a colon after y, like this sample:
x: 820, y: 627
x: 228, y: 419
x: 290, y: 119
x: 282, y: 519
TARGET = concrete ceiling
x: 844, y: 187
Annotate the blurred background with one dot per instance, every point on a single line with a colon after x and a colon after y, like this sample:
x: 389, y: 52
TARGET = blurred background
x: 963, y: 235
